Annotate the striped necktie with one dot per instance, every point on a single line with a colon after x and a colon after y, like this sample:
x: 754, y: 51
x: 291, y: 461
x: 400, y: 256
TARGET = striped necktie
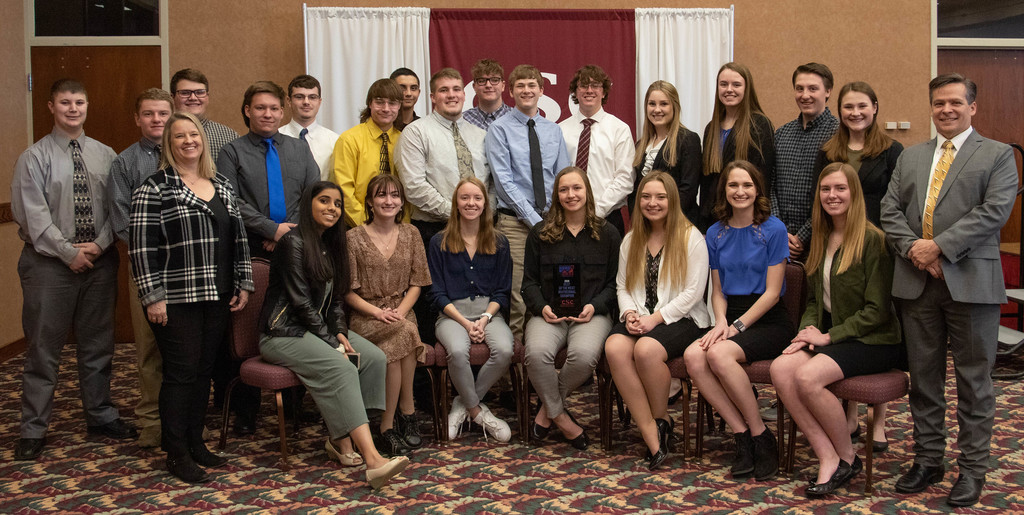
x: 941, y: 169
x: 385, y: 161
x: 583, y: 150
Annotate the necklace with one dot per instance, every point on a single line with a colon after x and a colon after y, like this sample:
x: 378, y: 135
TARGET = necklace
x: 386, y: 241
x: 575, y: 228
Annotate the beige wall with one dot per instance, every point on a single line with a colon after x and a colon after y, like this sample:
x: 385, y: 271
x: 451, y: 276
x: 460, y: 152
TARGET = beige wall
x: 13, y: 118
x: 237, y: 41
x: 884, y: 43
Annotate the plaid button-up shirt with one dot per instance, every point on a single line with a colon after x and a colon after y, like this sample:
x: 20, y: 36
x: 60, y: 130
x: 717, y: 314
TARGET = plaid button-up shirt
x: 796, y: 149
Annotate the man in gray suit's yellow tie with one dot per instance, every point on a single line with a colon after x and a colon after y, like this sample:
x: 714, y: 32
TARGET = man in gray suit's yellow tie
x: 947, y: 200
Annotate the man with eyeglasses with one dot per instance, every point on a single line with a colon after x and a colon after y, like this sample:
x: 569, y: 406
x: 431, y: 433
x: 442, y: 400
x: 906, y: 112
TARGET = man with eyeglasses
x: 191, y: 92
x: 489, y: 84
x: 600, y: 143
x: 304, y: 98
x: 367, y: 150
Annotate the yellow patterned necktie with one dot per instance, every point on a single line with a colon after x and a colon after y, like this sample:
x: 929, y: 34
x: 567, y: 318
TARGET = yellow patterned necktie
x: 941, y: 169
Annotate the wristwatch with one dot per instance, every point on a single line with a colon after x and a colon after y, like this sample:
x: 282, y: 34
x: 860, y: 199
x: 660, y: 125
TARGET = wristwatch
x: 738, y: 324
x: 488, y: 315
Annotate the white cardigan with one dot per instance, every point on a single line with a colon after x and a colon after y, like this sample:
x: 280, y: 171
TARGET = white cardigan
x: 677, y: 302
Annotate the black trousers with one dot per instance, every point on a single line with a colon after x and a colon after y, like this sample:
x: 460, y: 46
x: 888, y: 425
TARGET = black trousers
x: 189, y: 345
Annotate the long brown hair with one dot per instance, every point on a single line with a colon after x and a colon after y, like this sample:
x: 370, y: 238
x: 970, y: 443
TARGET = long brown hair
x: 486, y: 241
x: 677, y: 237
x: 857, y: 224
x: 554, y: 221
x: 668, y: 152
x: 742, y: 130
x: 875, y: 141
x: 762, y: 206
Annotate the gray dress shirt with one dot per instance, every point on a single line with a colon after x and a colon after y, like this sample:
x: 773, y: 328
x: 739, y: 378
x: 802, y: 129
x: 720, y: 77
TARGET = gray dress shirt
x: 129, y: 169
x: 244, y: 163
x: 42, y: 198
x: 428, y: 165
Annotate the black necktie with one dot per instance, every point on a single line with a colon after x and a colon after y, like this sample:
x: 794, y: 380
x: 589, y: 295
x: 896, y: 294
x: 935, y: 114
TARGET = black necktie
x: 536, y: 167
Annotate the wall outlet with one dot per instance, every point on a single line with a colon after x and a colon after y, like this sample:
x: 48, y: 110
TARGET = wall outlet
x: 904, y: 125
x: 890, y: 126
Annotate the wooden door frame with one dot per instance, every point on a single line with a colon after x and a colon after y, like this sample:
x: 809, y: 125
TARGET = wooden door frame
x: 163, y: 41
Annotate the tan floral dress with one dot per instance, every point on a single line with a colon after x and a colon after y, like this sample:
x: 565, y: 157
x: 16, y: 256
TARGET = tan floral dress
x: 383, y: 283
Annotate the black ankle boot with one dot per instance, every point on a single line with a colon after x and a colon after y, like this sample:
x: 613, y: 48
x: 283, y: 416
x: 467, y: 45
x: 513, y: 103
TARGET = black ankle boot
x: 408, y: 429
x: 185, y: 469
x: 202, y: 456
x: 743, y: 462
x: 766, y: 456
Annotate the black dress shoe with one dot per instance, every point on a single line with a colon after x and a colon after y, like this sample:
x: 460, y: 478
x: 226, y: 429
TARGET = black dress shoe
x: 539, y: 432
x: 581, y: 442
x: 656, y: 459
x: 115, y: 429
x: 202, y: 456
x: 185, y: 469
x: 856, y: 466
x: 29, y: 448
x: 839, y: 478
x: 966, y: 491
x: 918, y: 478
x: 879, y: 446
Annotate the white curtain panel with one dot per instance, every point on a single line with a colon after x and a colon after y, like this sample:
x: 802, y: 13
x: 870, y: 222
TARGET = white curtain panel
x: 685, y: 47
x: 349, y: 48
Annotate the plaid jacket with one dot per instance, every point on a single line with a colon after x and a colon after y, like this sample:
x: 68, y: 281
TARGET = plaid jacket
x: 172, y: 241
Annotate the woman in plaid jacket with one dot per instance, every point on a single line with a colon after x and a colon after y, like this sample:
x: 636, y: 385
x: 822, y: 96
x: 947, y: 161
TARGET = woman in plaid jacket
x: 191, y: 263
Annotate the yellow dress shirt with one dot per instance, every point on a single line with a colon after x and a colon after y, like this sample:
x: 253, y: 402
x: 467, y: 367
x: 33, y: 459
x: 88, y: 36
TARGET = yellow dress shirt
x: 356, y: 161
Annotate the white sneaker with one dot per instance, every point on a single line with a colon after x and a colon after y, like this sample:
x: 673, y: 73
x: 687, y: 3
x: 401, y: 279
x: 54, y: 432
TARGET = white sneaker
x: 456, y: 418
x: 492, y: 425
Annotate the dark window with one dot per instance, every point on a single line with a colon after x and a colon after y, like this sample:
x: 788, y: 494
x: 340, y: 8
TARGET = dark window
x: 981, y: 18
x: 97, y: 17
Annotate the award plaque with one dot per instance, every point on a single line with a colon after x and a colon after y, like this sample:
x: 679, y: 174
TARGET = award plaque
x: 566, y: 300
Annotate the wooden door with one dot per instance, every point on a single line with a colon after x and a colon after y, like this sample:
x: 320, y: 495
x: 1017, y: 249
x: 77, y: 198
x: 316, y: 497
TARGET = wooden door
x: 113, y: 77
x: 1000, y: 78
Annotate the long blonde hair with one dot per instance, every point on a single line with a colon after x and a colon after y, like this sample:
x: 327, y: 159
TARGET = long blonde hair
x: 486, y: 241
x: 677, y: 237
x: 668, y: 152
x: 553, y: 227
x: 857, y: 224
x: 742, y: 130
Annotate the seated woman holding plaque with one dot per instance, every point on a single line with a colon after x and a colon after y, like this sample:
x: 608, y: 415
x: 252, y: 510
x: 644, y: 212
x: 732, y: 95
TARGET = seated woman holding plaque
x: 569, y: 288
x: 663, y: 270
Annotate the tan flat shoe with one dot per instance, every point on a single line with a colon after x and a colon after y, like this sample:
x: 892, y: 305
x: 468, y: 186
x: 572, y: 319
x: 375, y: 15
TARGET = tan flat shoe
x: 349, y: 459
x: 379, y: 476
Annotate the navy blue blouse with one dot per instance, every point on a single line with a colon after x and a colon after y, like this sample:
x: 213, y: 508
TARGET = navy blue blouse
x: 456, y: 276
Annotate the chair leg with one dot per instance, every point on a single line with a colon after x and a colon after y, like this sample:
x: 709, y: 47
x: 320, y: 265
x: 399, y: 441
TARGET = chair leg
x: 517, y: 390
x: 281, y: 431
x: 296, y: 410
x: 780, y: 413
x: 434, y: 403
x: 791, y: 446
x: 524, y: 423
x: 227, y: 411
x: 604, y: 407
x: 699, y: 444
x: 443, y: 405
x: 869, y: 450
x: 686, y: 417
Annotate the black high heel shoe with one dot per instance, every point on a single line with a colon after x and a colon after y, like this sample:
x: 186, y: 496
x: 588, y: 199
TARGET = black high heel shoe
x: 839, y: 478
x: 657, y: 458
x: 581, y: 441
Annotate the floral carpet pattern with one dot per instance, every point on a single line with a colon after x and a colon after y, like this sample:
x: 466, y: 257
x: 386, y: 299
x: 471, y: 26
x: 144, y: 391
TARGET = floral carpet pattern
x: 90, y: 474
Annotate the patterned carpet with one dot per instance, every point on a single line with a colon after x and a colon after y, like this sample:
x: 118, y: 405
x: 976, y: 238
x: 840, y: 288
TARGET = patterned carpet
x: 88, y: 474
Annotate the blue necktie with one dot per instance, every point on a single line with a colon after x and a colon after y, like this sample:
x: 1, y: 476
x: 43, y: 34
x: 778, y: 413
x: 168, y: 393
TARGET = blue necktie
x: 275, y: 184
x: 302, y: 134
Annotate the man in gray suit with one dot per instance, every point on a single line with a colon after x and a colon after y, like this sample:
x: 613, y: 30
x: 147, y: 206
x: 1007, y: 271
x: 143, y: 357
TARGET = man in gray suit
x: 947, y: 200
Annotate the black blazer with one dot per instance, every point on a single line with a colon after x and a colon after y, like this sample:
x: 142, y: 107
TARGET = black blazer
x: 764, y: 133
x: 874, y: 173
x: 686, y: 171
x: 297, y: 303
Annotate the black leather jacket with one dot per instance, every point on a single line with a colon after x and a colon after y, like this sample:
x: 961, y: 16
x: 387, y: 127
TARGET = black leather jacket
x: 295, y: 303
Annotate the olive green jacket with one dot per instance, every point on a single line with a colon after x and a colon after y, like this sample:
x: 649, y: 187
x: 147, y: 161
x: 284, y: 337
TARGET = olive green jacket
x: 861, y: 301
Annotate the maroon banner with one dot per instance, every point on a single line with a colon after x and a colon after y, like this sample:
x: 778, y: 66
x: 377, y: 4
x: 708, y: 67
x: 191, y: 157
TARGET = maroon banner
x: 558, y: 42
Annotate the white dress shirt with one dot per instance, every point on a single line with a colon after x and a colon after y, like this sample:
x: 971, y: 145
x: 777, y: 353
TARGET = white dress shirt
x: 321, y: 142
x: 610, y: 165
x: 429, y: 167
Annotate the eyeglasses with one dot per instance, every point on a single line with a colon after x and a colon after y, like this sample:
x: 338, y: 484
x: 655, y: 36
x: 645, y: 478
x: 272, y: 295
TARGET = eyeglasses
x: 480, y: 81
x: 185, y: 93
x: 381, y: 102
x: 593, y: 85
x: 298, y: 97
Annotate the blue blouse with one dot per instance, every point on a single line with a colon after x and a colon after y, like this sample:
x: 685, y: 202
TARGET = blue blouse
x: 742, y: 255
x: 456, y: 276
